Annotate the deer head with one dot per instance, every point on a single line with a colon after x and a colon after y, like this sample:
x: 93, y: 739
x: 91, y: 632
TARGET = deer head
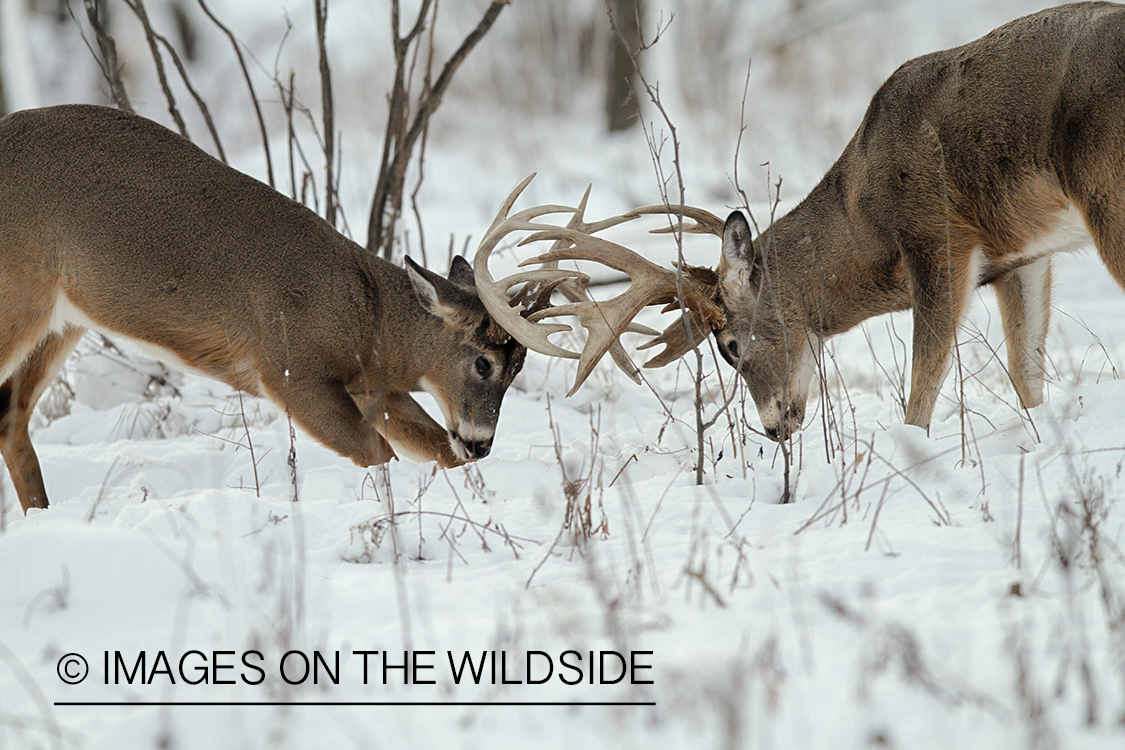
x: 473, y: 359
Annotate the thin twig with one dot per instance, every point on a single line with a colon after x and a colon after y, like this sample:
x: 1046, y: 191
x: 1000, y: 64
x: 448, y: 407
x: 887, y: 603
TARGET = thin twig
x: 138, y: 8
x: 111, y: 68
x: 327, y: 110
x: 249, y: 85
x: 399, y: 140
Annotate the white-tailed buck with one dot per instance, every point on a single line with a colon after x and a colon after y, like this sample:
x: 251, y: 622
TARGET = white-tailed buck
x: 111, y: 222
x: 971, y: 167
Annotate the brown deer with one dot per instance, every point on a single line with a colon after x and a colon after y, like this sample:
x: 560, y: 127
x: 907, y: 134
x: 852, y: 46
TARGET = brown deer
x: 971, y: 167
x: 112, y: 222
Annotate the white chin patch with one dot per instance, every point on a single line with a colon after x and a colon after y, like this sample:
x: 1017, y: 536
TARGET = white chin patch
x: 800, y: 383
x: 428, y: 387
x: 458, y: 448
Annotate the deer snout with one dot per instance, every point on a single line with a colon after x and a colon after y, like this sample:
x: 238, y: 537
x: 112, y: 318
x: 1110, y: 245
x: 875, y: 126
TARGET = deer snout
x: 788, y: 421
x: 471, y: 449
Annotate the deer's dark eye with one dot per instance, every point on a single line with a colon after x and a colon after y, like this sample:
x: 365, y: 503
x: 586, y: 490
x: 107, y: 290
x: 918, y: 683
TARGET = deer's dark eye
x: 484, y: 367
x: 732, y: 347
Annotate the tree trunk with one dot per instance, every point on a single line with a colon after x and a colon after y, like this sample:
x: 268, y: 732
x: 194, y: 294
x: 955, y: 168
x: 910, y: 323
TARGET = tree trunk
x: 622, y: 105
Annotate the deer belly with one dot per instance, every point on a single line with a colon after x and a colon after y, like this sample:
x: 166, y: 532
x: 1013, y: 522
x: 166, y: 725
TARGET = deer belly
x: 67, y: 313
x: 1067, y: 233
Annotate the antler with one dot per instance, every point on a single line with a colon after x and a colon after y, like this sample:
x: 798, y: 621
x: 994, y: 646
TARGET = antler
x: 682, y: 336
x: 604, y: 321
x: 705, y: 221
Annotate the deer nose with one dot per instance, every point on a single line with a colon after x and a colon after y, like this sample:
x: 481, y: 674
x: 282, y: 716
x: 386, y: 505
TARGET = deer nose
x: 474, y: 449
x: 478, y: 448
x: 790, y: 422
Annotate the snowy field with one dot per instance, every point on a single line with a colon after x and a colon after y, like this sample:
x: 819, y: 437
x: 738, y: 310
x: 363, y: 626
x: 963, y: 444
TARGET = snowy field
x: 963, y: 589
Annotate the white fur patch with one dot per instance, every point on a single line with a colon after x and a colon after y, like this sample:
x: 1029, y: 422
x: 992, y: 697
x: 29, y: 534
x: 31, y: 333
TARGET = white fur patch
x: 67, y: 313
x: 800, y: 385
x: 800, y: 380
x: 1033, y: 281
x: 429, y: 388
x: 1068, y: 234
x: 976, y: 274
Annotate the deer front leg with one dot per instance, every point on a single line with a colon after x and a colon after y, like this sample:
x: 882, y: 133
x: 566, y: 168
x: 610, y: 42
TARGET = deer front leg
x: 415, y: 432
x: 942, y: 280
x: 328, y: 412
x: 1024, y: 295
x: 405, y: 424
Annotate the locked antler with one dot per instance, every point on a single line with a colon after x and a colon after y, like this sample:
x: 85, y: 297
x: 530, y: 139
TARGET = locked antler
x: 692, y: 327
x: 604, y: 321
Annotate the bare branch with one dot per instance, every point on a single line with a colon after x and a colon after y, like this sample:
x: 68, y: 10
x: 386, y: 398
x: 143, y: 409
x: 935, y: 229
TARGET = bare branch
x: 321, y: 9
x: 402, y: 130
x: 111, y: 68
x: 249, y: 85
x: 138, y: 8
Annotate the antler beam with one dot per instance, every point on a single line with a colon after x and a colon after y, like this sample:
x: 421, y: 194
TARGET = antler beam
x: 604, y: 321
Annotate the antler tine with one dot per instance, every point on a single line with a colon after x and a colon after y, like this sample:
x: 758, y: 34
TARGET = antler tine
x: 644, y: 273
x: 705, y: 221
x: 577, y: 292
x: 521, y: 220
x: 604, y: 321
x: 675, y: 341
x: 493, y: 293
x: 553, y: 276
x: 510, y: 201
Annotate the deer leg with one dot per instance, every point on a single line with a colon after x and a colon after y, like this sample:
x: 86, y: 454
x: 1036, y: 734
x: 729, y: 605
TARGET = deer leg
x: 415, y: 433
x: 1024, y: 295
x: 941, y: 286
x: 1104, y: 211
x: 1109, y: 236
x: 326, y: 410
x: 18, y: 396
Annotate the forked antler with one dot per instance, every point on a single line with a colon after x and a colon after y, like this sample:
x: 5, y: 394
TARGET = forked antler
x: 705, y: 221
x: 691, y: 328
x: 604, y: 321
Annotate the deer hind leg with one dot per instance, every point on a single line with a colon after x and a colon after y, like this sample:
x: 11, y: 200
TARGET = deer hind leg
x: 1024, y: 295
x: 942, y: 280
x: 18, y: 396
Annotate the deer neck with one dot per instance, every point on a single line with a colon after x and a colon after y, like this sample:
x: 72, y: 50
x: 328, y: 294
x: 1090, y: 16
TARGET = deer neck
x: 401, y: 325
x: 836, y: 264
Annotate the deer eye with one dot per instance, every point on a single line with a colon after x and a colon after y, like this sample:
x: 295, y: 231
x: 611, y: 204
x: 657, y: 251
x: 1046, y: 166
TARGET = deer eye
x: 732, y: 347
x: 483, y: 366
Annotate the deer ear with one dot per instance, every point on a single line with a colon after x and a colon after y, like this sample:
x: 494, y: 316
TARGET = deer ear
x: 461, y: 273
x: 738, y: 248
x: 430, y: 290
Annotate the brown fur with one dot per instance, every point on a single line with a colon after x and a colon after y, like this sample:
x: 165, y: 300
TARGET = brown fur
x: 148, y: 237
x: 977, y: 148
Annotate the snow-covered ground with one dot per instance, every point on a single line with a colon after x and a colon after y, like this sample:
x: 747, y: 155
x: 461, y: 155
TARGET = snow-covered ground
x: 962, y: 589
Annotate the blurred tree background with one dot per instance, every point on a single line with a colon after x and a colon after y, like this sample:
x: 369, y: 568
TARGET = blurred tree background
x: 780, y: 82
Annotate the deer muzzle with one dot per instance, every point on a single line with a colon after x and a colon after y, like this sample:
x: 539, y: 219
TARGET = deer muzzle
x: 469, y: 448
x: 782, y: 422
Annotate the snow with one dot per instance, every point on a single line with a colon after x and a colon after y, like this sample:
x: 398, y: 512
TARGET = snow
x: 964, y: 588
